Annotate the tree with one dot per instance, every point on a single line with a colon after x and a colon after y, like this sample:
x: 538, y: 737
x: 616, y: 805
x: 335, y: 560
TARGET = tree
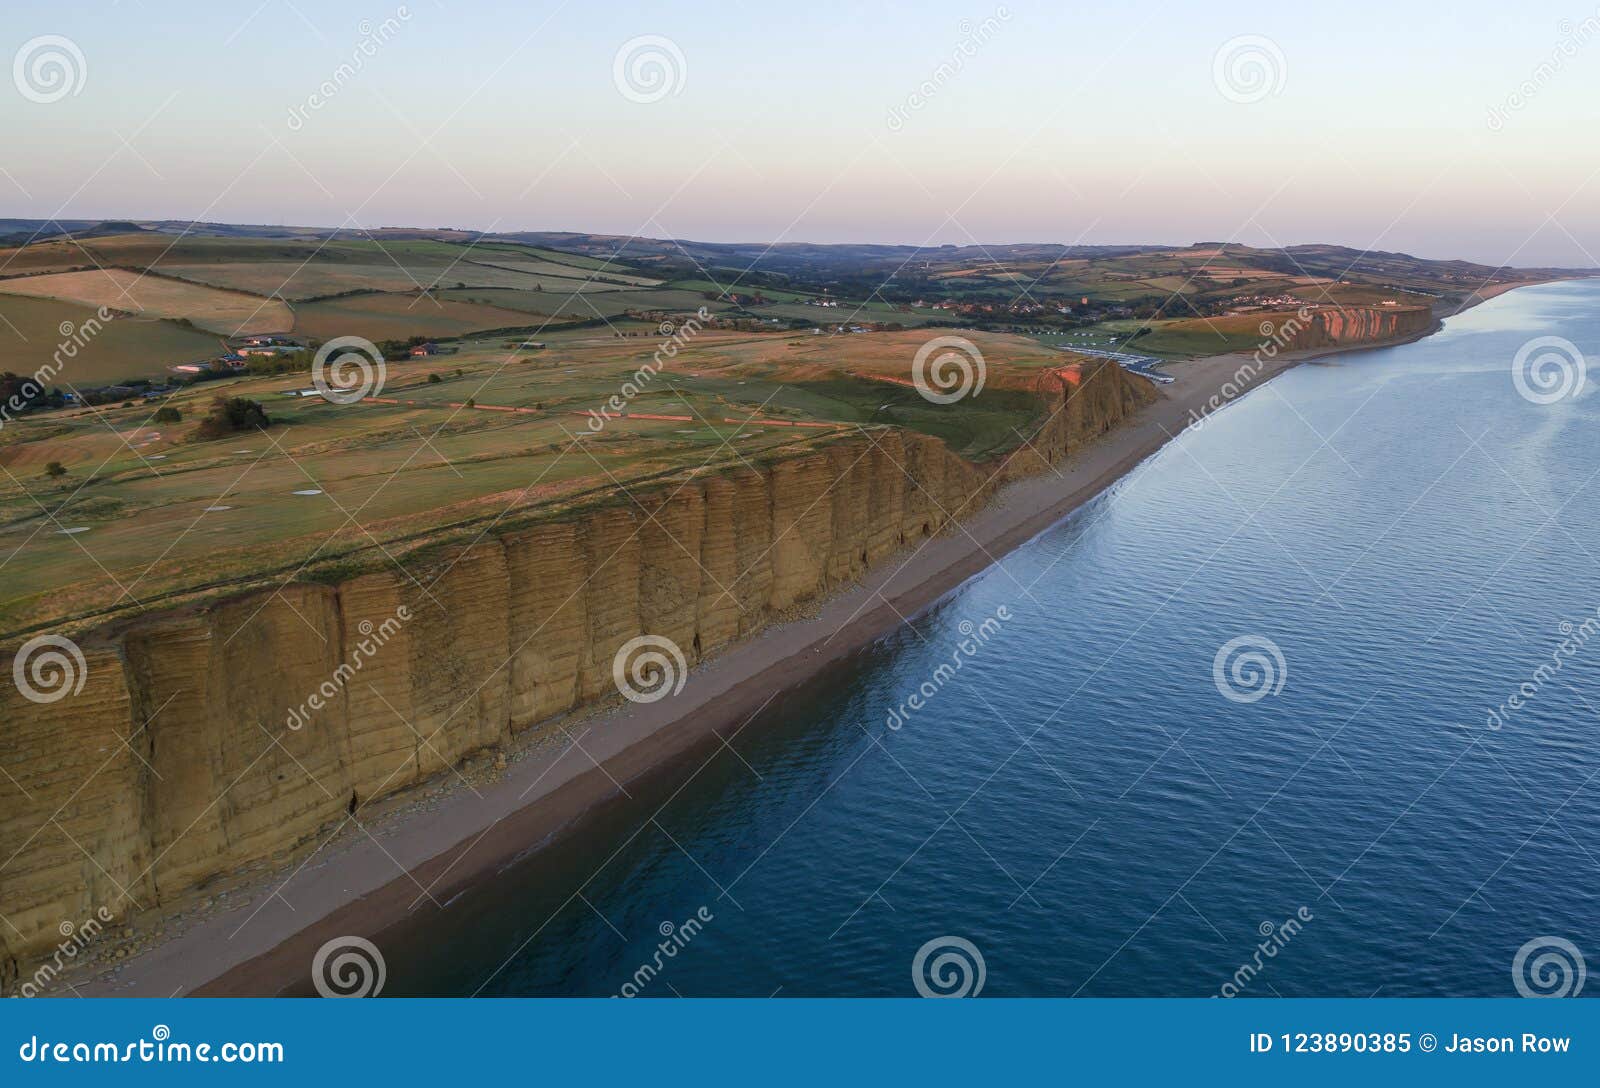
x: 55, y: 469
x: 434, y: 379
x: 168, y: 414
x: 230, y: 415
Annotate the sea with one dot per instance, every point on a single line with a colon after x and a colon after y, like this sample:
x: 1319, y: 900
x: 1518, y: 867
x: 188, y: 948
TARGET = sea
x: 1308, y: 704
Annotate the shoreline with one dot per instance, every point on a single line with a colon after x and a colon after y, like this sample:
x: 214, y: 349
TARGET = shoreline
x: 417, y: 855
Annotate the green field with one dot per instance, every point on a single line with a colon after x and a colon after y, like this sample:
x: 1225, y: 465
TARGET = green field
x: 228, y: 313
x: 31, y: 334
x: 491, y: 430
x: 316, y: 280
x: 1181, y: 339
x: 395, y: 317
x: 339, y: 287
x: 416, y: 461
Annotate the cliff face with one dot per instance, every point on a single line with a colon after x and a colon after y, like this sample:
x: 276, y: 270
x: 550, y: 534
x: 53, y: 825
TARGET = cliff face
x: 207, y: 740
x: 1342, y: 325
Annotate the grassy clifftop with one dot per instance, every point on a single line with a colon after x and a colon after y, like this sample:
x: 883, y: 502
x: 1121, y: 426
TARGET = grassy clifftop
x: 233, y: 732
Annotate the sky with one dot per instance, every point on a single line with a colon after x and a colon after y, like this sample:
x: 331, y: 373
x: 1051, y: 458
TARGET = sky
x: 1448, y: 130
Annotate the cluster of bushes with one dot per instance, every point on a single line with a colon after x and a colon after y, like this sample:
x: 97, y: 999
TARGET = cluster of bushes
x: 21, y: 393
x: 395, y: 349
x: 280, y: 364
x: 230, y: 415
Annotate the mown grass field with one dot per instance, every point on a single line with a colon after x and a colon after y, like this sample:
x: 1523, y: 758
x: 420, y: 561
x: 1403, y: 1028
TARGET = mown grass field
x: 162, y: 513
x: 228, y: 313
x: 1198, y: 274
x: 31, y: 332
x: 294, y: 281
x: 520, y: 261
x: 1192, y: 337
x: 540, y: 304
x: 395, y: 317
x: 329, y: 288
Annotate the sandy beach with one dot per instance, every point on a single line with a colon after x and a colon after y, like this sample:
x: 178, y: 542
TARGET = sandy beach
x: 260, y: 938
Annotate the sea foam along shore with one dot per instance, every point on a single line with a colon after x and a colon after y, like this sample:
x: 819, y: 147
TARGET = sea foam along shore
x: 398, y: 877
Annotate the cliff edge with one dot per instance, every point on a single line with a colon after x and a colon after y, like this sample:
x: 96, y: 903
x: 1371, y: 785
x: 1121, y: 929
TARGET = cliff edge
x: 198, y: 741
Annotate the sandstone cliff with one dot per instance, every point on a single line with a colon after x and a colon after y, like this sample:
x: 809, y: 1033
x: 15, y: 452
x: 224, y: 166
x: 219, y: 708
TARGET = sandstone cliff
x: 213, y: 737
x: 1334, y: 326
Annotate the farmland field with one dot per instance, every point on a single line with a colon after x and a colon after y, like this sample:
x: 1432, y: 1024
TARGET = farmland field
x: 304, y: 281
x: 553, y: 305
x: 224, y: 312
x: 390, y: 316
x: 1186, y: 338
x: 492, y: 428
x: 575, y: 260
x: 608, y: 276
x: 294, y: 280
x: 128, y: 347
x: 414, y: 458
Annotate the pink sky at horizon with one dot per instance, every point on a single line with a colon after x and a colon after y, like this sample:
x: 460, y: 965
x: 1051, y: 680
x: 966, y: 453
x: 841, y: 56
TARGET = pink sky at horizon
x: 988, y: 123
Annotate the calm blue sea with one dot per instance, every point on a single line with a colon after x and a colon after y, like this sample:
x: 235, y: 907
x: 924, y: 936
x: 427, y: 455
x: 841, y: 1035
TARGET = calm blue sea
x: 1394, y: 541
